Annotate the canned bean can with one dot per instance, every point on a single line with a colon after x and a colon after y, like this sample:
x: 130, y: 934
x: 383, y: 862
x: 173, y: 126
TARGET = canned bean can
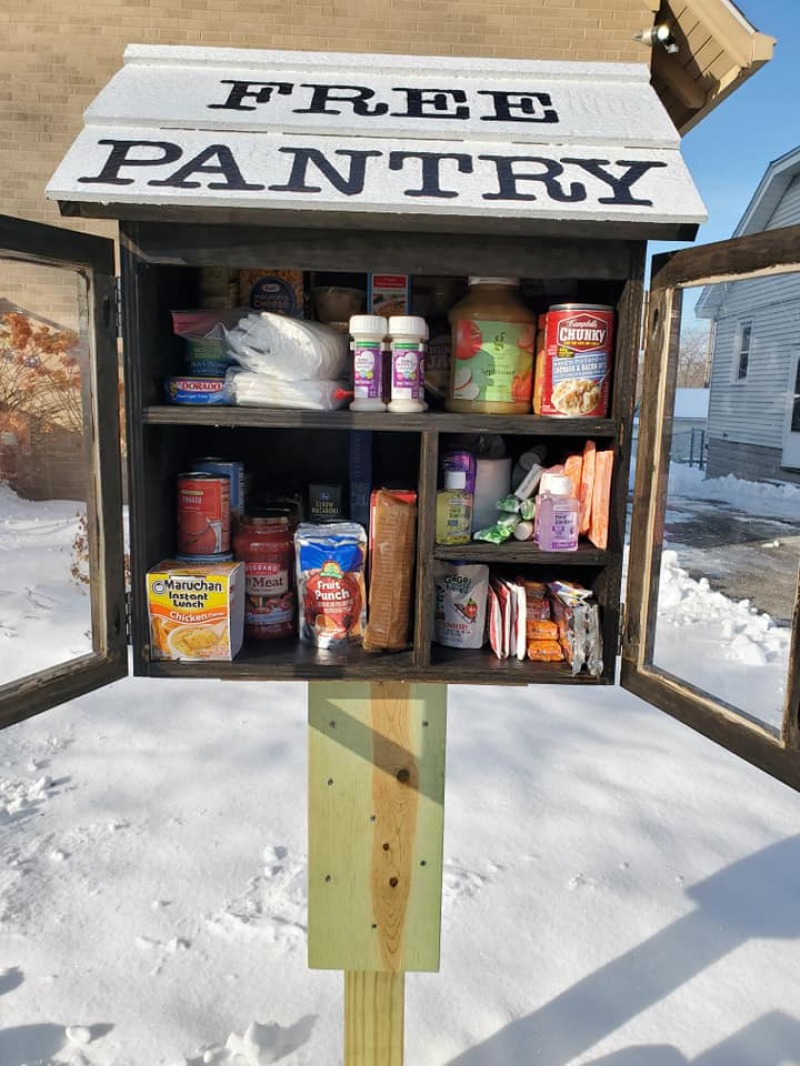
x: 204, y: 514
x: 575, y: 375
x: 232, y: 469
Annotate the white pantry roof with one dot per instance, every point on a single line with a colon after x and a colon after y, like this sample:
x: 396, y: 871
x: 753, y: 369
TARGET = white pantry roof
x: 380, y: 141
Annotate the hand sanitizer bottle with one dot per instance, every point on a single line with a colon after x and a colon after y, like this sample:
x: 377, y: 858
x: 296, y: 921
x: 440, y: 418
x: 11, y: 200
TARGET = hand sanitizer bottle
x: 557, y: 515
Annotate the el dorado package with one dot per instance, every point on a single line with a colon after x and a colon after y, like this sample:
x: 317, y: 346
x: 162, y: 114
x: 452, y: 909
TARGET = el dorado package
x: 196, y: 611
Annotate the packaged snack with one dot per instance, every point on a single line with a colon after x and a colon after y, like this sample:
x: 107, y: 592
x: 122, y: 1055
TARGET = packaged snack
x: 330, y: 582
x: 393, y: 539
x: 578, y: 620
x: 460, y: 613
x: 545, y: 651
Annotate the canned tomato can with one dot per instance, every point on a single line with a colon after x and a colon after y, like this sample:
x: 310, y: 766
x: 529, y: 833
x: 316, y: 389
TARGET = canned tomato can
x: 204, y: 513
x: 576, y: 357
x: 232, y: 469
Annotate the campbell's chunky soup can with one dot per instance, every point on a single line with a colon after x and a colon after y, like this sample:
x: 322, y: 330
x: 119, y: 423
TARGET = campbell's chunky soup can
x: 204, y: 513
x: 573, y: 371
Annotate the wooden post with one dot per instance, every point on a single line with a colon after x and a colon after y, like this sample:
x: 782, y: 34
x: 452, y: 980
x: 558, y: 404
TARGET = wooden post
x: 375, y: 828
x: 374, y: 1006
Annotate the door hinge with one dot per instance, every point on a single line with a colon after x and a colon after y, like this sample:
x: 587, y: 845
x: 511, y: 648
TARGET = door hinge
x: 118, y: 305
x: 623, y: 615
x: 128, y: 622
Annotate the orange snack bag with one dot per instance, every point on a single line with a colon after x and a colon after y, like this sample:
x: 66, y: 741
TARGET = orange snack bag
x: 573, y: 468
x: 587, y: 485
x: 545, y: 651
x: 542, y: 630
x: 601, y: 499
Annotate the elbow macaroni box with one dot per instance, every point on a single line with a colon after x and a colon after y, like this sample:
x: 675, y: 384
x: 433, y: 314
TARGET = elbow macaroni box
x: 196, y: 611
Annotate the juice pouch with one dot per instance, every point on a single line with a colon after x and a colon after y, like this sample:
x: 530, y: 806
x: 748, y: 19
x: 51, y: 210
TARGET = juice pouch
x: 330, y: 582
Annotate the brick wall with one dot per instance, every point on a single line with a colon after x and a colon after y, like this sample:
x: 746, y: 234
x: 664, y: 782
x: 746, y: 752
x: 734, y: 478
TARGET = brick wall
x: 55, y: 55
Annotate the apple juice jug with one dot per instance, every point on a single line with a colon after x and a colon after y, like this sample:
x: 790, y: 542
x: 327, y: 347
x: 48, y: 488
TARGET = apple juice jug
x: 491, y: 369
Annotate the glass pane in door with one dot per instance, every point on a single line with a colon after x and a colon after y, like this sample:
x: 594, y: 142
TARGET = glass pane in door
x: 45, y: 604
x: 731, y: 532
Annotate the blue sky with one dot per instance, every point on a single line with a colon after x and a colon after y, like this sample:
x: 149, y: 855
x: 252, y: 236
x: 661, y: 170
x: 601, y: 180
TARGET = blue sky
x: 728, y: 152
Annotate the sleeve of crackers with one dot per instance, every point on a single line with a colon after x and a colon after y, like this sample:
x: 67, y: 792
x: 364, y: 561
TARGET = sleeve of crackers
x: 391, y: 584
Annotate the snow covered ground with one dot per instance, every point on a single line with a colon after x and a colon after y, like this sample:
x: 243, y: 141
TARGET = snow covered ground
x: 617, y: 890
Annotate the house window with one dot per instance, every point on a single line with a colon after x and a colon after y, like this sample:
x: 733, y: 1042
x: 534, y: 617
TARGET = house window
x: 795, y: 427
x: 743, y: 358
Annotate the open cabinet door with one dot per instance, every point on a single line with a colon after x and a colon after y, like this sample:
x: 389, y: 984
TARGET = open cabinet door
x: 62, y: 594
x: 712, y: 617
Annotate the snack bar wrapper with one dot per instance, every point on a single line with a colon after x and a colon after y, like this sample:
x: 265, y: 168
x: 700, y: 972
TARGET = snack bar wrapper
x: 578, y: 619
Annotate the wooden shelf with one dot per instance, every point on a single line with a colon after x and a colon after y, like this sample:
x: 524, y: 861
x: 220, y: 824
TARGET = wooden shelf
x: 290, y: 660
x: 515, y: 551
x: 436, y: 421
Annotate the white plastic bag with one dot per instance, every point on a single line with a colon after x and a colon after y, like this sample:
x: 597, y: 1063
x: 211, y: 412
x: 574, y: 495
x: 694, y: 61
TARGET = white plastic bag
x: 288, y: 349
x: 257, y: 390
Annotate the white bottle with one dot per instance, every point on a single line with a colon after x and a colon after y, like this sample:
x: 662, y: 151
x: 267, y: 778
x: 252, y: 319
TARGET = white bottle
x: 367, y: 333
x: 407, y: 335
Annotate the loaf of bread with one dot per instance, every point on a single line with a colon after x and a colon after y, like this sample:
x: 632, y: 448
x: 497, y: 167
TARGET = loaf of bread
x: 393, y: 537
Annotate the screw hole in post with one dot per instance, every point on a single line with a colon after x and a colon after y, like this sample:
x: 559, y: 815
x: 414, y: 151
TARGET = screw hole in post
x: 403, y: 776
x: 385, y: 847
x: 393, y: 882
x: 330, y: 781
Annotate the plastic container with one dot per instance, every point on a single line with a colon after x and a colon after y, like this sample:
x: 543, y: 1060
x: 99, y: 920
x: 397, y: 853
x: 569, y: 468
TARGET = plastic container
x: 491, y: 369
x: 454, y: 509
x: 557, y: 515
x: 408, y: 334
x: 265, y: 544
x: 367, y: 333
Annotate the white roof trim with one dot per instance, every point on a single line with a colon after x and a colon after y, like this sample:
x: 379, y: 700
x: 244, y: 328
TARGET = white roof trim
x: 776, y: 180
x: 354, y: 133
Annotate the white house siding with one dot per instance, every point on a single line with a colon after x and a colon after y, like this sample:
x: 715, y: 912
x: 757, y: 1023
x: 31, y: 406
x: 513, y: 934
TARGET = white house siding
x: 746, y: 419
x: 787, y: 213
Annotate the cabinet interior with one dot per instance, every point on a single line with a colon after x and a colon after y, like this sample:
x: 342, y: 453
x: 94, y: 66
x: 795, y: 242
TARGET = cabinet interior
x: 285, y: 451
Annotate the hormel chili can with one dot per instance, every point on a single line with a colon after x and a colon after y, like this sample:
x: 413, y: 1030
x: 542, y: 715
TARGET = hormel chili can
x: 204, y: 513
x: 575, y: 375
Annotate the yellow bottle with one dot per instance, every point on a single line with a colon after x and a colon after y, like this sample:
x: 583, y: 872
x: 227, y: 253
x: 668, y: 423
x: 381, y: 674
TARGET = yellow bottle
x: 454, y: 510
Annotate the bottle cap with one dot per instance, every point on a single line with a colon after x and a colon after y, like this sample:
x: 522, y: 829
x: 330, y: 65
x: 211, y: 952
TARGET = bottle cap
x: 493, y: 281
x: 372, y: 324
x: 408, y: 325
x: 455, y: 479
x: 555, y: 484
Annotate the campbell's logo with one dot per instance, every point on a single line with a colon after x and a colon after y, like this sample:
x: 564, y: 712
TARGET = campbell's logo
x: 583, y: 330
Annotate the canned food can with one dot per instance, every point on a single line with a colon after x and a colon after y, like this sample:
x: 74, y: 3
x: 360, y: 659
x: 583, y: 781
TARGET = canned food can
x: 232, y: 469
x: 575, y: 375
x: 218, y: 557
x: 204, y: 513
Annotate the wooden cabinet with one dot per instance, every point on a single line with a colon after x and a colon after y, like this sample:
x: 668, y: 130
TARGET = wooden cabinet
x: 290, y: 449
